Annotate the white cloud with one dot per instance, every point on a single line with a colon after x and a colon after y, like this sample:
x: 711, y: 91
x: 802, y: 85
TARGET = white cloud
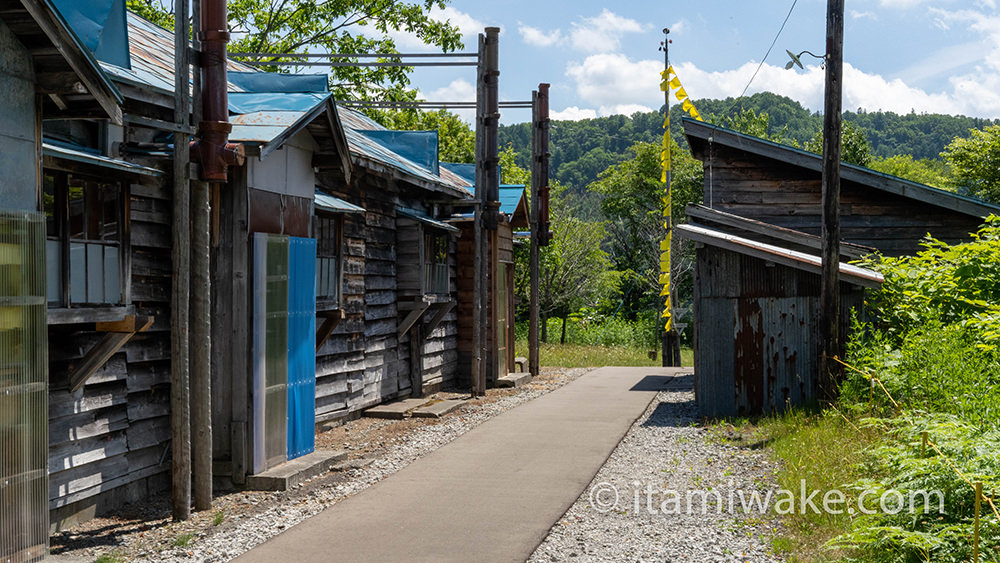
x: 573, y: 113
x: 538, y: 37
x: 623, y: 109
x: 468, y: 26
x: 855, y: 14
x: 611, y: 80
x: 602, y: 34
x: 458, y: 90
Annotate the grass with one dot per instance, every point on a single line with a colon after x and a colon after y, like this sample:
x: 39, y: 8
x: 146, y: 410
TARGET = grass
x: 815, y: 449
x: 184, y: 539
x: 581, y: 355
x: 219, y: 518
x: 113, y: 557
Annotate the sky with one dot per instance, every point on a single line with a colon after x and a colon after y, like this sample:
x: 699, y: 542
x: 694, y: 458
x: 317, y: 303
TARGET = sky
x: 603, y: 58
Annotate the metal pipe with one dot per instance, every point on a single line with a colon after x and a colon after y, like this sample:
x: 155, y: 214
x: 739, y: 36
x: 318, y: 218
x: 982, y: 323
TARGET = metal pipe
x: 215, y: 150
x: 357, y: 55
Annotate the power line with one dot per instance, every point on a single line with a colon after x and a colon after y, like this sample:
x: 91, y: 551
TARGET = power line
x: 792, y: 8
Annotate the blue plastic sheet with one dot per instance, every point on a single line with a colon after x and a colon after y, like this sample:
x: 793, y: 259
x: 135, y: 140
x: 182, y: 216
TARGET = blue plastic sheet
x: 510, y: 196
x: 276, y: 82
x: 301, y: 346
x: 465, y: 171
x: 100, y: 25
x: 420, y: 147
x: 250, y: 102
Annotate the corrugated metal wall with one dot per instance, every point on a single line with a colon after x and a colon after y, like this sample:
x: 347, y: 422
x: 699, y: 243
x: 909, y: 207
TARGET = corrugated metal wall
x: 24, y: 499
x: 756, y: 333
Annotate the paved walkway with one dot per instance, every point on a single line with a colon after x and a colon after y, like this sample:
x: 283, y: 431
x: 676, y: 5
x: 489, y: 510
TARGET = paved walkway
x: 490, y: 495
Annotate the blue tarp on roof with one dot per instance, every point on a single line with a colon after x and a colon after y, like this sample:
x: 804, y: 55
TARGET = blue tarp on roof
x: 510, y: 196
x: 100, y: 25
x: 465, y: 171
x: 420, y: 147
x: 250, y: 102
x: 275, y: 82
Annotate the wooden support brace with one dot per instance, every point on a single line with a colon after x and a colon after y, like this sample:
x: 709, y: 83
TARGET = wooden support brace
x: 330, y: 321
x: 412, y: 318
x: 118, y: 333
x: 442, y: 310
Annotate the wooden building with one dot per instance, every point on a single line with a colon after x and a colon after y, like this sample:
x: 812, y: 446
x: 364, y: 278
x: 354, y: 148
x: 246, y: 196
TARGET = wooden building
x: 780, y: 185
x: 756, y: 310
x: 500, y: 284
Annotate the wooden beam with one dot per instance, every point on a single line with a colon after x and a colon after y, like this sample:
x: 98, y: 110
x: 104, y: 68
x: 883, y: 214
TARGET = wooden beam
x: 117, y: 334
x: 330, y: 321
x: 412, y: 318
x: 442, y: 310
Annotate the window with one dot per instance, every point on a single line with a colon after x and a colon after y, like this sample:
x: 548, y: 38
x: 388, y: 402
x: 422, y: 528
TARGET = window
x: 436, y: 263
x: 329, y: 234
x: 84, y: 240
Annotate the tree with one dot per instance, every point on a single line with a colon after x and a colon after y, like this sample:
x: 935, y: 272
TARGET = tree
x: 925, y: 170
x: 757, y: 124
x: 456, y: 139
x: 854, y: 146
x: 332, y: 26
x: 975, y: 163
x: 632, y: 202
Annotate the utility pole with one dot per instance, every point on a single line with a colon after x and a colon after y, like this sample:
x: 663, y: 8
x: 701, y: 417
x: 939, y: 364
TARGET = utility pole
x: 539, y: 195
x: 180, y: 421
x: 830, y: 343
x: 671, y: 345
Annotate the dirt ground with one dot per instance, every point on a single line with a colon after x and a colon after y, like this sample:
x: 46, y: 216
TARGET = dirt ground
x: 143, y: 529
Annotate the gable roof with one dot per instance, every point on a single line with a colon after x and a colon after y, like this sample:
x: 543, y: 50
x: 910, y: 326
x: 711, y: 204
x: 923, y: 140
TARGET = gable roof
x: 57, y: 52
x: 700, y: 134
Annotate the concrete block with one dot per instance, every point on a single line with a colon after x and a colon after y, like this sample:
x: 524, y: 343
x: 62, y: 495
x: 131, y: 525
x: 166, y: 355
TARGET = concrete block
x: 438, y: 409
x: 513, y: 380
x: 396, y: 410
x: 296, y: 471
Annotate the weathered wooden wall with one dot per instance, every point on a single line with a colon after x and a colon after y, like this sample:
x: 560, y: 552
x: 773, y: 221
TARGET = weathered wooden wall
x: 789, y: 196
x: 112, y: 437
x: 755, y: 333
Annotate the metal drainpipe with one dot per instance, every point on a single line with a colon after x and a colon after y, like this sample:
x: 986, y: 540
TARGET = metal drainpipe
x: 216, y: 154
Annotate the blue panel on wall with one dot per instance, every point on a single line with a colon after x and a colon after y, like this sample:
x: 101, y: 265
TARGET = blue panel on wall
x: 301, y: 346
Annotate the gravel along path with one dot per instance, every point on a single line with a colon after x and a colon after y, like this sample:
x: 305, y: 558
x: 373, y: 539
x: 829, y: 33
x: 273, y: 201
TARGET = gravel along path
x: 637, y: 508
x: 241, y: 520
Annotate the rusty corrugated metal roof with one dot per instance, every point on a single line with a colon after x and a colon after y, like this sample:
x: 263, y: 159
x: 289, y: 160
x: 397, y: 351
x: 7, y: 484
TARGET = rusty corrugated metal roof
x: 792, y: 258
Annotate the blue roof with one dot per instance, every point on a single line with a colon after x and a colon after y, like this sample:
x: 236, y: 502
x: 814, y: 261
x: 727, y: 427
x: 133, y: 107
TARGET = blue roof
x: 420, y: 147
x: 464, y: 170
x: 250, y: 102
x: 256, y: 81
x: 100, y: 25
x: 510, y: 197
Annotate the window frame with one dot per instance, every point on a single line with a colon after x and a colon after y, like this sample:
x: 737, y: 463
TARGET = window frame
x: 66, y: 309
x: 430, y: 269
x: 327, y: 302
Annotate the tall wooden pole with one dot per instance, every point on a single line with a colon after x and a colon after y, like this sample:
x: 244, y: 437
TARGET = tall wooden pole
x: 830, y: 342
x: 478, y: 375
x: 539, y: 189
x: 180, y: 422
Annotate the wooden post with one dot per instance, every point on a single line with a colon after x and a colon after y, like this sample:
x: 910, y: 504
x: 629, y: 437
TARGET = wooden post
x: 201, y: 346
x: 534, y: 264
x: 491, y: 212
x: 829, y: 333
x: 975, y: 531
x: 923, y: 444
x: 180, y: 422
x: 478, y: 375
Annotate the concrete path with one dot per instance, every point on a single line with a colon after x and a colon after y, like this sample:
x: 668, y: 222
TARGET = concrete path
x: 490, y: 495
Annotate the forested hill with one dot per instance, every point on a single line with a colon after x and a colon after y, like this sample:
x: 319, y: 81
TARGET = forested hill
x: 583, y: 149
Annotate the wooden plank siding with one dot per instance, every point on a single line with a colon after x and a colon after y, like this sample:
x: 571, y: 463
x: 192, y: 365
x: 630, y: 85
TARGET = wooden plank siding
x: 787, y: 194
x: 109, y: 442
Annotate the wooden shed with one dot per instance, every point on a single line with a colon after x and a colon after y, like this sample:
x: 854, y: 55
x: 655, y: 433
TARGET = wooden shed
x: 781, y: 185
x: 756, y: 310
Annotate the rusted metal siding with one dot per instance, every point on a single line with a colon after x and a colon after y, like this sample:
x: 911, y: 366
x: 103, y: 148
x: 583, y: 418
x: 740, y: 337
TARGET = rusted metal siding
x: 756, y: 333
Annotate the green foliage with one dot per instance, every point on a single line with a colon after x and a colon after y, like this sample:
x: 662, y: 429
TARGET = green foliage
x: 341, y: 26
x: 757, y: 124
x: 955, y: 284
x: 152, y: 10
x: 975, y: 161
x: 456, y: 139
x: 183, y: 540
x: 921, y: 135
x: 925, y: 170
x: 854, y: 146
